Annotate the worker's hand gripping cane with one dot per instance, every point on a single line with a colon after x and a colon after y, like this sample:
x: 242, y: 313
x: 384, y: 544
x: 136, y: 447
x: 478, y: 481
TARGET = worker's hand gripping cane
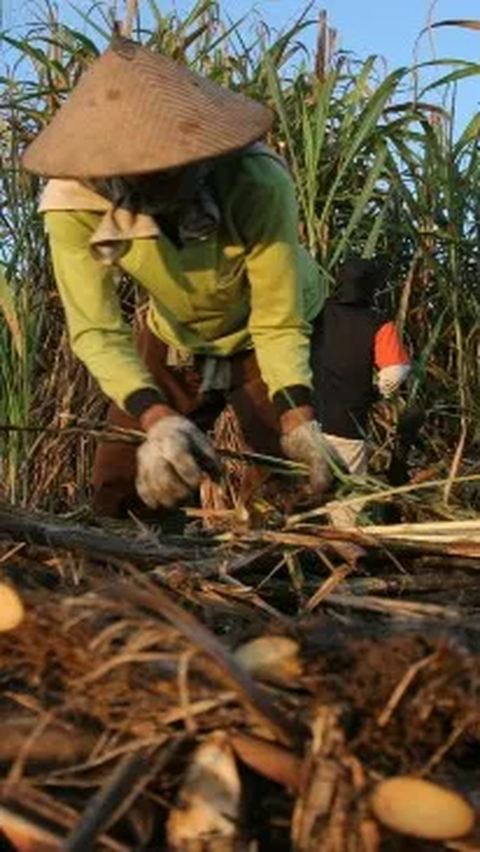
x: 172, y: 461
x: 305, y: 443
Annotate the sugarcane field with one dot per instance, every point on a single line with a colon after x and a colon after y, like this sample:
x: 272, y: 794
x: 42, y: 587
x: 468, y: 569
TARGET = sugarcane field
x: 239, y: 428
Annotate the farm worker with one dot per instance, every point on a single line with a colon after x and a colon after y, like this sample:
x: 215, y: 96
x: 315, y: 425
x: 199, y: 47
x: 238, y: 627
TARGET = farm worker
x: 157, y: 173
x: 352, y: 344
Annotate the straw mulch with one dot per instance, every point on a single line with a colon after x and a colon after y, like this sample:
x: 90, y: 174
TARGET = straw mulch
x: 130, y: 722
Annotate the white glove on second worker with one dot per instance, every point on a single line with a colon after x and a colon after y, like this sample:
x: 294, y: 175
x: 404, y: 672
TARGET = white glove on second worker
x: 390, y: 378
x: 306, y: 444
x: 171, y: 461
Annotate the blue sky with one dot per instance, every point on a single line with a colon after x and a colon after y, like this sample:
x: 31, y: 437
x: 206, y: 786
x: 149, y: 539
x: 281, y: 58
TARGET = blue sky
x: 390, y: 29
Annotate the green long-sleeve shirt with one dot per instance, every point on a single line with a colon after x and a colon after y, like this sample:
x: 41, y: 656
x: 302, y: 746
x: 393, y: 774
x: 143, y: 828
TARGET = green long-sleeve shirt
x: 249, y: 284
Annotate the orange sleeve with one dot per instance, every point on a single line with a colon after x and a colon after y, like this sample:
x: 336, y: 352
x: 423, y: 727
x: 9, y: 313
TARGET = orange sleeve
x: 389, y: 349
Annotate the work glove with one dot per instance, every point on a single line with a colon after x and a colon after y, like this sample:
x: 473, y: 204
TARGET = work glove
x: 171, y: 461
x: 306, y: 444
x: 390, y: 378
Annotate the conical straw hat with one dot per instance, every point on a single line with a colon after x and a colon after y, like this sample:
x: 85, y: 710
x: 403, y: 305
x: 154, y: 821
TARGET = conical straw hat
x: 134, y: 111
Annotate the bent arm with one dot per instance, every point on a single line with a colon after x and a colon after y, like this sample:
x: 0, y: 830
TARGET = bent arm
x: 99, y: 335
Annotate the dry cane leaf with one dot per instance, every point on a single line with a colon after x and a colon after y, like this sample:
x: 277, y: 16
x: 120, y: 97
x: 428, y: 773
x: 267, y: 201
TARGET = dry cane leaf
x: 25, y: 835
x: 318, y: 788
x: 208, y: 805
x: 327, y: 815
x: 58, y: 745
x: 8, y: 309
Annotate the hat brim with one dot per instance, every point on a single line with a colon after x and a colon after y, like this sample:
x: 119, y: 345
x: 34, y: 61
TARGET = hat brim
x: 135, y: 111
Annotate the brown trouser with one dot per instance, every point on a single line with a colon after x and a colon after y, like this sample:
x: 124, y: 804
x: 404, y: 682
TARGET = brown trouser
x: 115, y: 462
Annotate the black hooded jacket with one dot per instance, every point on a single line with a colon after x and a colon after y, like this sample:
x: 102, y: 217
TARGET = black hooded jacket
x: 343, y: 351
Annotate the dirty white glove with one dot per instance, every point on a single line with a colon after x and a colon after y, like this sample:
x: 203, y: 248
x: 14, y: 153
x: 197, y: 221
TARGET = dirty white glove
x: 172, y: 460
x: 390, y: 378
x: 306, y: 444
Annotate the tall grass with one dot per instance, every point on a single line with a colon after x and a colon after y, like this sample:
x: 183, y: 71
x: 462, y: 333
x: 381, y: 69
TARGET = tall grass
x: 378, y: 170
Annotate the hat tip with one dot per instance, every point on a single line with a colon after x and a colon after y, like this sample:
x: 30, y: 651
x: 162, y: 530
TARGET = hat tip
x: 123, y: 46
